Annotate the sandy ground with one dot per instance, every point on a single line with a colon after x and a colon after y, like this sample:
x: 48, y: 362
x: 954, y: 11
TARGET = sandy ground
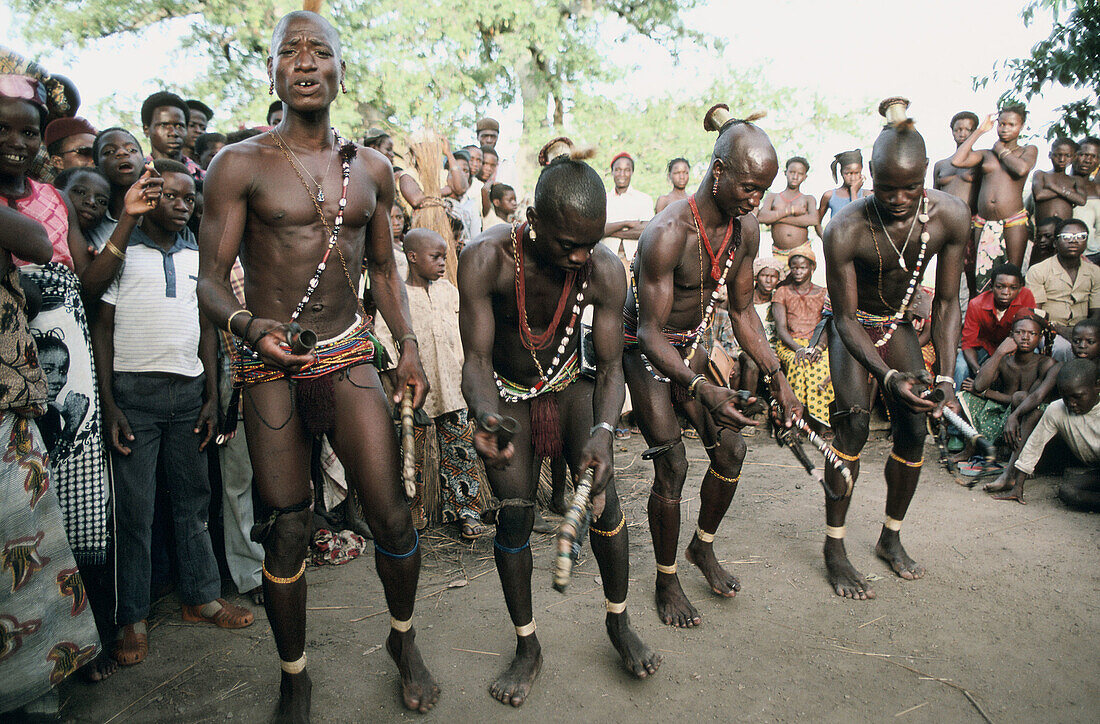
x: 1007, y: 613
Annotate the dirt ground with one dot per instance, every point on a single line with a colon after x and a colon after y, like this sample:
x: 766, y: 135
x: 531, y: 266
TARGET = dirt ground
x: 1006, y: 620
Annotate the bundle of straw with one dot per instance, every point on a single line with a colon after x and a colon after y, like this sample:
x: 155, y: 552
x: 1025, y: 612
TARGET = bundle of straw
x: 428, y: 149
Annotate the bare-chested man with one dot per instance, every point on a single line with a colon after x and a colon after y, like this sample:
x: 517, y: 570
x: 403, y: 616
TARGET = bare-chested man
x: 1056, y: 193
x: 959, y: 182
x: 1085, y: 163
x: 1000, y: 220
x: 876, y: 252
x: 790, y: 212
x: 687, y: 254
x: 272, y: 202
x: 523, y: 286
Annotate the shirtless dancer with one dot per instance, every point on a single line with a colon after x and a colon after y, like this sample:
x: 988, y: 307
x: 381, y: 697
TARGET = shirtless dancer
x: 790, y: 212
x: 687, y: 254
x: 1056, y: 193
x: 871, y: 286
x: 522, y: 288
x: 263, y: 206
x: 1000, y: 221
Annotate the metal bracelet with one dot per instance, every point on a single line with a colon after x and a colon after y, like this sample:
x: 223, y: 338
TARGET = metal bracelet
x: 601, y: 426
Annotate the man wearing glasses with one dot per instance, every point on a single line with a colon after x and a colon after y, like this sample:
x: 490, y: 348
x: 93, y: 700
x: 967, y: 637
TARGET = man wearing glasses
x: 1064, y: 287
x: 69, y: 143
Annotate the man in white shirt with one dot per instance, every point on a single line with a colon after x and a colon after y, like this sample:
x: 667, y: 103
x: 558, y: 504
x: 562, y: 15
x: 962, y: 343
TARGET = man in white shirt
x: 1074, y: 419
x: 628, y: 210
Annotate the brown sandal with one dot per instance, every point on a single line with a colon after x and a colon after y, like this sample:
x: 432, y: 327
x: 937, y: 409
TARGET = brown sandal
x: 132, y: 648
x: 228, y: 616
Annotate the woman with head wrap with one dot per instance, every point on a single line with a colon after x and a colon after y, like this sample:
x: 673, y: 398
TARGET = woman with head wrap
x: 766, y: 272
x: 850, y: 164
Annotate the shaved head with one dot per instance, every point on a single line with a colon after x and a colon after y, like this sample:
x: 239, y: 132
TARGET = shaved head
x: 899, y: 149
x: 744, y: 148
x: 417, y: 240
x: 1076, y: 372
x: 304, y: 16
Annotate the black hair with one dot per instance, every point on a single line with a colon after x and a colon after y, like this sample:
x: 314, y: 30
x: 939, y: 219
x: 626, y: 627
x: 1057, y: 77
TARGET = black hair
x: 374, y: 138
x: 472, y: 145
x: 168, y: 165
x: 50, y: 342
x: 497, y: 192
x: 98, y: 143
x: 490, y: 151
x: 678, y: 159
x: 63, y: 179
x: 964, y: 116
x: 241, y: 135
x: 461, y: 153
x: 1067, y: 222
x: 1088, y: 322
x: 1091, y: 140
x: 797, y: 159
x: 205, y: 141
x: 1048, y: 220
x: 1078, y: 370
x: 1064, y: 142
x: 275, y: 106
x: 845, y: 158
x: 197, y: 105
x: 1017, y: 108
x: 1008, y: 269
x: 162, y: 99
x: 568, y: 184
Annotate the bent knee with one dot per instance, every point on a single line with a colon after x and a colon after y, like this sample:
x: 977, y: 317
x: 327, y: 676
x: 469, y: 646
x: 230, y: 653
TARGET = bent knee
x: 289, y: 536
x: 514, y: 525
x: 671, y: 468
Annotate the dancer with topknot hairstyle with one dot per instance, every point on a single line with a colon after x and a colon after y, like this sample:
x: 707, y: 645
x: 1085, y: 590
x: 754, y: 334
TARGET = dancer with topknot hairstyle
x: 876, y: 252
x: 688, y: 254
x: 522, y: 289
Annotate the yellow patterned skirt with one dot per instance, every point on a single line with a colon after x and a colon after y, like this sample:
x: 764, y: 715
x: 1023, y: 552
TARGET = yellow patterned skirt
x: 809, y: 380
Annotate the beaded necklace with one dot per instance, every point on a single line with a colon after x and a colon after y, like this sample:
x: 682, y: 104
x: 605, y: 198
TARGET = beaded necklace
x: 717, y: 273
x: 334, y: 230
x: 921, y: 216
x: 526, y: 336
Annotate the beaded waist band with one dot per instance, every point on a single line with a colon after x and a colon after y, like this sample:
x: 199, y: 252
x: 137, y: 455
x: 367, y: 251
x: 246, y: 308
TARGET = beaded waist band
x: 513, y: 392
x: 352, y: 347
x: 675, y: 337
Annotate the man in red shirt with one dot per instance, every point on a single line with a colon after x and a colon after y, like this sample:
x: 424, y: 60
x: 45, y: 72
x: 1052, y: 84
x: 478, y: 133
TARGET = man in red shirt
x: 989, y: 319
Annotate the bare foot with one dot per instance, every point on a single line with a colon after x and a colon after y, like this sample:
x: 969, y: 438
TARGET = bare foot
x: 99, y: 668
x: 514, y: 685
x: 889, y: 549
x: 673, y: 606
x: 843, y: 577
x: 1016, y: 493
x: 638, y: 658
x: 558, y: 504
x: 295, y: 692
x: 418, y: 688
x: 542, y: 525
x: 1001, y: 484
x: 721, y: 581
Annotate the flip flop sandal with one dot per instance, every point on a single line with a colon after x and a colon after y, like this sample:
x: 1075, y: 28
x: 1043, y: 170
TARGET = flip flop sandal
x: 228, y: 616
x: 622, y: 433
x: 132, y: 648
x: 471, y: 529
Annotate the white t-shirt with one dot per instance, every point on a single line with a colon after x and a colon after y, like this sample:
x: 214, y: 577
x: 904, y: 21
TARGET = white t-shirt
x: 156, y: 307
x: 631, y: 205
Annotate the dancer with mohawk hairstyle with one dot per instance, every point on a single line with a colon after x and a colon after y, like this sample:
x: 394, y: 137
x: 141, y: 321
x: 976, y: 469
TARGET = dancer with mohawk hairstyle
x: 688, y: 254
x: 876, y: 252
x: 522, y: 288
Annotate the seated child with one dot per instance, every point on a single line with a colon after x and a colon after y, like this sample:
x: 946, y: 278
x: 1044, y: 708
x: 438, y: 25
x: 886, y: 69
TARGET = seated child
x: 1075, y: 421
x: 1006, y: 378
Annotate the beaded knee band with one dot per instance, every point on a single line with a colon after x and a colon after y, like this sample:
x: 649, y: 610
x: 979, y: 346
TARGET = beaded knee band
x: 400, y: 626
x: 668, y: 570
x: 845, y: 456
x: 723, y: 478
x: 615, y: 607
x: 278, y: 579
x: 892, y: 524
x: 526, y: 629
x: 294, y: 667
x: 704, y: 536
x: 663, y: 499
x: 903, y: 461
x: 505, y: 549
x: 609, y: 533
x: 837, y: 531
x: 400, y: 556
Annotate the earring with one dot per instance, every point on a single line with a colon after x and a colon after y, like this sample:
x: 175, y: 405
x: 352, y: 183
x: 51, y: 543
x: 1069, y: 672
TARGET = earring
x: 714, y: 188
x: 271, y: 88
x: 531, y: 232
x: 343, y: 88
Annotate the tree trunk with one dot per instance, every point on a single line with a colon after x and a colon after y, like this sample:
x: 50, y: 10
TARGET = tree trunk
x: 535, y: 126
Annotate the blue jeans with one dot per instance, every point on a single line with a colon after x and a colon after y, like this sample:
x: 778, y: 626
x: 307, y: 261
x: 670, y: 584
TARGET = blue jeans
x: 962, y: 369
x: 162, y: 411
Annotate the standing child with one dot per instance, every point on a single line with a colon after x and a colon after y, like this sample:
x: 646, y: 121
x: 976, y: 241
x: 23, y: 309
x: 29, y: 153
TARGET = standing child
x: 433, y: 306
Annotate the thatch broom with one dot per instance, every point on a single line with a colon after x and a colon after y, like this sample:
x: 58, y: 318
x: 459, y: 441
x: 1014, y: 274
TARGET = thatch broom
x: 428, y: 149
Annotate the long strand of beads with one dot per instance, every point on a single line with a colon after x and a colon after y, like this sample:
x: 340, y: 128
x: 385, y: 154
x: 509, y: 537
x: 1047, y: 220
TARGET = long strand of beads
x: 550, y: 371
x: 922, y: 216
x: 708, y: 315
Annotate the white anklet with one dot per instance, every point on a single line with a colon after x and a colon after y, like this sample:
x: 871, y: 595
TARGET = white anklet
x: 294, y: 667
x: 837, y: 532
x: 400, y: 626
x: 526, y: 629
x: 892, y: 524
x: 615, y: 607
x: 704, y: 536
x: 670, y: 570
